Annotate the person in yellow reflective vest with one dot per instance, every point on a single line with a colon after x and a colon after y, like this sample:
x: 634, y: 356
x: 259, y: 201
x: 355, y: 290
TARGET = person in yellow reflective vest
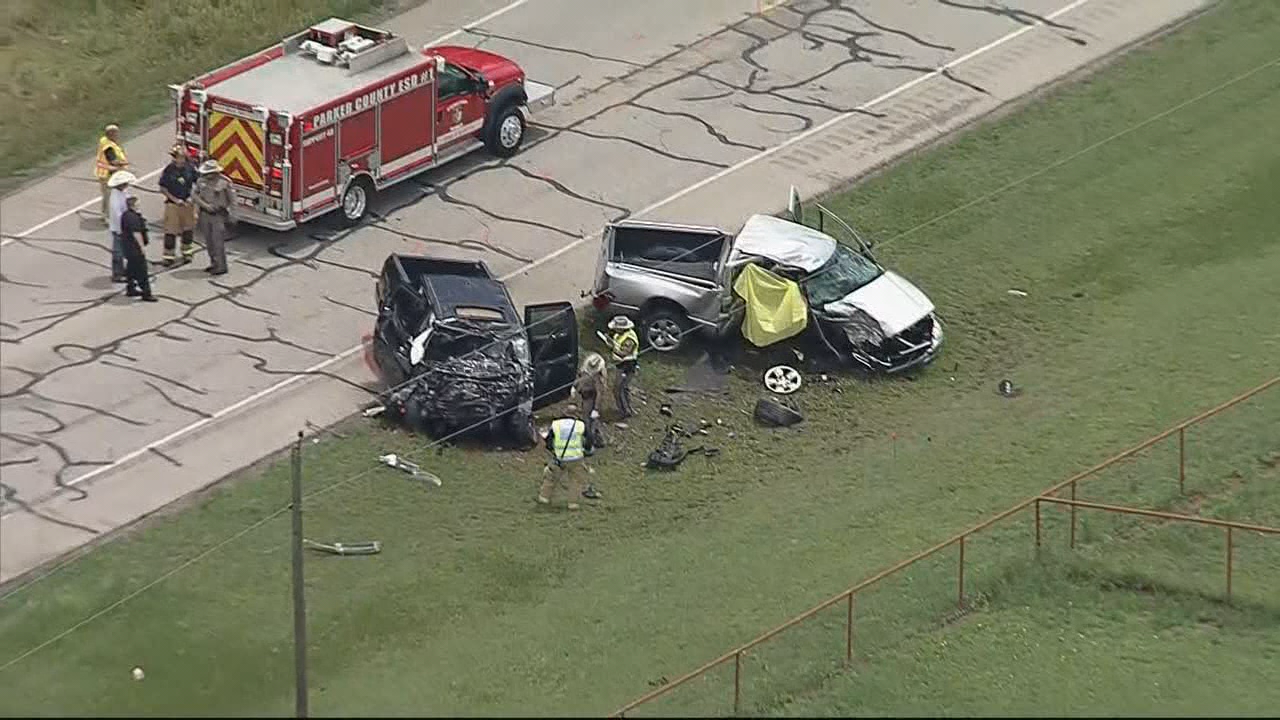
x: 624, y: 346
x: 111, y: 158
x: 568, y: 442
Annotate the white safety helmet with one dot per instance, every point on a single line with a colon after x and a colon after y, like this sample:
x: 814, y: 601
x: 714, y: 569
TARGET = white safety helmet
x: 620, y: 323
x: 209, y: 167
x: 121, y: 177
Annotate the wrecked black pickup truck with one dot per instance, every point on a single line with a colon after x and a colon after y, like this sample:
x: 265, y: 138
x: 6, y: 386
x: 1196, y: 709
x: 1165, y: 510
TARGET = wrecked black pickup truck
x: 456, y: 356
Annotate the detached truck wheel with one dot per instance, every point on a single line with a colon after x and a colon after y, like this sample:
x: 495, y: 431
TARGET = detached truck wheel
x: 506, y: 131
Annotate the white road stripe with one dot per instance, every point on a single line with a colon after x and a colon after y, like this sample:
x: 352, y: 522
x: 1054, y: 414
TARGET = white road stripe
x: 67, y: 213
x: 665, y: 201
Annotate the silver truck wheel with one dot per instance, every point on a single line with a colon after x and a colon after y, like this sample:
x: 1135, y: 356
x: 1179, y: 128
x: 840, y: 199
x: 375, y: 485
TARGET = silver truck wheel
x: 663, y: 329
x: 355, y: 202
x: 510, y: 132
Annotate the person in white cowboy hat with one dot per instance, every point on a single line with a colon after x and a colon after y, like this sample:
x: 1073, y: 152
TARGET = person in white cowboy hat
x: 624, y: 346
x: 213, y: 196
x: 590, y: 385
x: 119, y: 184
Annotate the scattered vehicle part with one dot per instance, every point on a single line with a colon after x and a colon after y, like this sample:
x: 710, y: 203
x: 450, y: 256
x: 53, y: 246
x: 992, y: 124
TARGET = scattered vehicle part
x: 399, y: 463
x: 782, y: 379
x: 668, y: 455
x: 775, y: 413
x: 1018, y: 293
x: 448, y: 342
x: 665, y: 409
x: 331, y: 115
x: 866, y: 315
x: 1006, y: 389
x: 374, y: 411
x: 372, y: 547
x: 138, y: 674
x: 591, y: 493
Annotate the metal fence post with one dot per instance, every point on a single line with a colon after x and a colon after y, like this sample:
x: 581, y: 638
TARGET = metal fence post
x: 960, y: 592
x: 848, y: 633
x: 1182, y: 460
x: 299, y: 594
x: 737, y: 683
x: 1229, y: 553
x: 1073, y: 515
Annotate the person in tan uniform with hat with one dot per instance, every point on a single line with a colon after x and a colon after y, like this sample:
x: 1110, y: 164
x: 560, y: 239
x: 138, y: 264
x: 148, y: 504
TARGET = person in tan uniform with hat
x: 213, y: 196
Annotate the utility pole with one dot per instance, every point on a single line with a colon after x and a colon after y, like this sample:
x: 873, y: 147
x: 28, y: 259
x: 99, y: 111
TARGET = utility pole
x: 299, y: 594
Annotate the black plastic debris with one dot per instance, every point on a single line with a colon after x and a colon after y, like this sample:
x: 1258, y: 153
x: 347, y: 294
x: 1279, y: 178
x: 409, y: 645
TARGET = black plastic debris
x: 668, y: 455
x: 776, y: 413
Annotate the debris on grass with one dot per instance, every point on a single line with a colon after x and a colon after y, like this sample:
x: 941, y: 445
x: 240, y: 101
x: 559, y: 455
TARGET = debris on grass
x: 774, y: 413
x: 394, y: 461
x: 371, y: 547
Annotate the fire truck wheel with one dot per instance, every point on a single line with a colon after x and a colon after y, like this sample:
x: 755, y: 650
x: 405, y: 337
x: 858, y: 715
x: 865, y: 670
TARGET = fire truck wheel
x: 507, y: 132
x: 355, y: 201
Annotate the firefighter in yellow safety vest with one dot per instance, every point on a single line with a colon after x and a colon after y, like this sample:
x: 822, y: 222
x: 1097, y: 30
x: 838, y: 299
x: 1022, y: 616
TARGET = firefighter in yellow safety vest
x: 624, y: 346
x: 568, y: 443
x: 111, y: 158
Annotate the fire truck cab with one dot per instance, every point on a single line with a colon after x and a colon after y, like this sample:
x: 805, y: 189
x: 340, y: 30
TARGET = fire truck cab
x: 334, y: 114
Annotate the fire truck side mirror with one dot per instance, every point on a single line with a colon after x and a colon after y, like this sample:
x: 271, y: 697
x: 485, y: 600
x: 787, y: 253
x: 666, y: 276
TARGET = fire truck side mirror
x: 439, y: 64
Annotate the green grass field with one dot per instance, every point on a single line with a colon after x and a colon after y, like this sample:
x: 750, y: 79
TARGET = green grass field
x: 1150, y: 265
x: 1131, y: 624
x: 86, y: 63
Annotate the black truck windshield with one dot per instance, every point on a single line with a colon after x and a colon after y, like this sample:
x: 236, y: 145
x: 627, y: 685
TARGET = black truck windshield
x: 845, y: 272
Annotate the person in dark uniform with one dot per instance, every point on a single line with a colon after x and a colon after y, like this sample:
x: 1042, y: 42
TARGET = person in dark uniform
x: 133, y: 232
x: 176, y: 184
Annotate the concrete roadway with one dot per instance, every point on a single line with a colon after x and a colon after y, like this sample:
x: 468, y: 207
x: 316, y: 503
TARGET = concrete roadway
x: 703, y: 112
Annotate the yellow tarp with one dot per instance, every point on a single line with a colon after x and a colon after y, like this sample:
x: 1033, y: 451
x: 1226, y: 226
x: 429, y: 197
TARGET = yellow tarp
x: 776, y: 308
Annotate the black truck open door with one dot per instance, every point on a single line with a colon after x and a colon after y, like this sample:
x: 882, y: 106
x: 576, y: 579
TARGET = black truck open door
x: 552, y: 329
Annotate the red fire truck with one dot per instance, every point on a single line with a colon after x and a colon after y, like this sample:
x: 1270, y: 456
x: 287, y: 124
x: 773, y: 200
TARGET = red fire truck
x: 331, y: 115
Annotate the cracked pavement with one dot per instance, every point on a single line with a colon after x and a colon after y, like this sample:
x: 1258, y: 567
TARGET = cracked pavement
x: 652, y: 99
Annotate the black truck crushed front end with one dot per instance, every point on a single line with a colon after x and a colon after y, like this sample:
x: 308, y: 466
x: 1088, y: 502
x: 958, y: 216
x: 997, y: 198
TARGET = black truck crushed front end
x: 471, y: 379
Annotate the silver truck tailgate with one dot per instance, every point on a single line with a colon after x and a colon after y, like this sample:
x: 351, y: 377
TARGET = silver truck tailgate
x: 541, y: 96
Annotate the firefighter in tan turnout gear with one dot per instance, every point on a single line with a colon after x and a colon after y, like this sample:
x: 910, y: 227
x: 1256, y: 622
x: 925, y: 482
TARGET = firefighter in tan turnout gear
x: 624, y: 346
x: 177, y: 182
x: 111, y: 158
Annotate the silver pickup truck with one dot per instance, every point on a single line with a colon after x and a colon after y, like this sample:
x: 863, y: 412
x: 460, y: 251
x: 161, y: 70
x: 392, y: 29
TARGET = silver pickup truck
x: 676, y: 280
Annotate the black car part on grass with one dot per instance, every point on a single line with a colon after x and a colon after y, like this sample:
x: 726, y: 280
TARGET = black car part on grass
x: 668, y: 455
x: 775, y: 413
